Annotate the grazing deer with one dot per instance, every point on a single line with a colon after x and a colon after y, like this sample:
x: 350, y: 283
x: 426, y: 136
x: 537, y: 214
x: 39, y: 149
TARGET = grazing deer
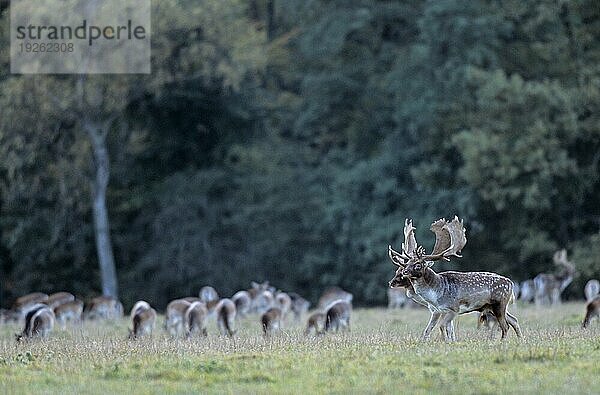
x: 331, y: 294
x: 299, y: 305
x: 337, y: 316
x: 58, y: 298
x: 140, y: 305
x: 259, y: 296
x: 103, y: 307
x: 195, y: 319
x: 175, y: 317
x: 592, y: 288
x: 284, y: 302
x: 271, y: 321
x: 449, y: 294
x: 396, y: 298
x: 25, y: 303
x: 516, y: 291
x: 242, y: 302
x: 316, y: 323
x: 226, y: 313
x: 69, y: 312
x: 592, y: 311
x: 548, y: 287
x: 143, y: 320
x: 527, y: 293
x: 39, y: 322
x: 208, y: 294
x: 263, y: 301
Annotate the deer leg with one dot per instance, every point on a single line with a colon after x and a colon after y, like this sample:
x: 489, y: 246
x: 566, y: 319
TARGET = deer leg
x: 589, y: 315
x: 514, y: 323
x: 433, y: 320
x: 499, y: 311
x: 448, y: 323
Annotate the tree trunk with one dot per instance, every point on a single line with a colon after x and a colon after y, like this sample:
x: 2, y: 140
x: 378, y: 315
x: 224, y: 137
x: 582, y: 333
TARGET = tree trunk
x: 270, y: 20
x: 106, y: 259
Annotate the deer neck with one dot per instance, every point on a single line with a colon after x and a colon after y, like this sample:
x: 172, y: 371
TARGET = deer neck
x: 429, y: 286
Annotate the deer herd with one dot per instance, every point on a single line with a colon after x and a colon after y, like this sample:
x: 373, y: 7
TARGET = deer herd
x: 446, y: 295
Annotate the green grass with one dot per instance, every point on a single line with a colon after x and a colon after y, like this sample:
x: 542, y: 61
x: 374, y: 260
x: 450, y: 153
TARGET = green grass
x: 382, y: 354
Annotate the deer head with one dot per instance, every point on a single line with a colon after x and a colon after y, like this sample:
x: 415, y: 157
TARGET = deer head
x: 413, y: 262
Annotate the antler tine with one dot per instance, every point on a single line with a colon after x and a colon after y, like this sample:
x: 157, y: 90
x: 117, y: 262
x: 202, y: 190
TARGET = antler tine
x: 410, y: 243
x: 396, y: 257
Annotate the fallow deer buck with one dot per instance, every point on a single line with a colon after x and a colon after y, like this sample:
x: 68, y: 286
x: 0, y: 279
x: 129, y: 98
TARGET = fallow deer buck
x: 592, y: 288
x: 549, y: 286
x: 449, y: 294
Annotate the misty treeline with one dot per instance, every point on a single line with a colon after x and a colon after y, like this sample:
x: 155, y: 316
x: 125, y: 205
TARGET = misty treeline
x: 287, y: 140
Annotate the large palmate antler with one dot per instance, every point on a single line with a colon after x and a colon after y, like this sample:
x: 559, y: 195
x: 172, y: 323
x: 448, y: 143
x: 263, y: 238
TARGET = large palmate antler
x: 450, y: 238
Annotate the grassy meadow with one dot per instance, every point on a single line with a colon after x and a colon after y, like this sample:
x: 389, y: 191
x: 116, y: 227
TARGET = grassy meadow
x: 381, y: 354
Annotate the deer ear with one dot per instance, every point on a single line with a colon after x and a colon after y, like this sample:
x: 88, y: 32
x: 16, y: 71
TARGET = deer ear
x: 395, y: 257
x: 429, y: 264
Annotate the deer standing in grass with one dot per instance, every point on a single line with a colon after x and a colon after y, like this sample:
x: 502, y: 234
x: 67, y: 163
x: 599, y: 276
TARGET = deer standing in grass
x: 333, y: 293
x: 316, y: 322
x: 195, y: 319
x: 299, y: 305
x: 243, y: 302
x: 175, y: 317
x: 208, y: 294
x: 143, y: 318
x: 69, y: 312
x: 103, y: 307
x: 592, y: 311
x: 592, y: 288
x: 39, y: 322
x: 226, y: 312
x: 527, y: 293
x: 549, y: 286
x: 271, y: 321
x: 449, y: 294
x: 337, y: 316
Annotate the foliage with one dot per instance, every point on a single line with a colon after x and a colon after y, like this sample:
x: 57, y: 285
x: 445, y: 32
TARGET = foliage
x: 295, y: 155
